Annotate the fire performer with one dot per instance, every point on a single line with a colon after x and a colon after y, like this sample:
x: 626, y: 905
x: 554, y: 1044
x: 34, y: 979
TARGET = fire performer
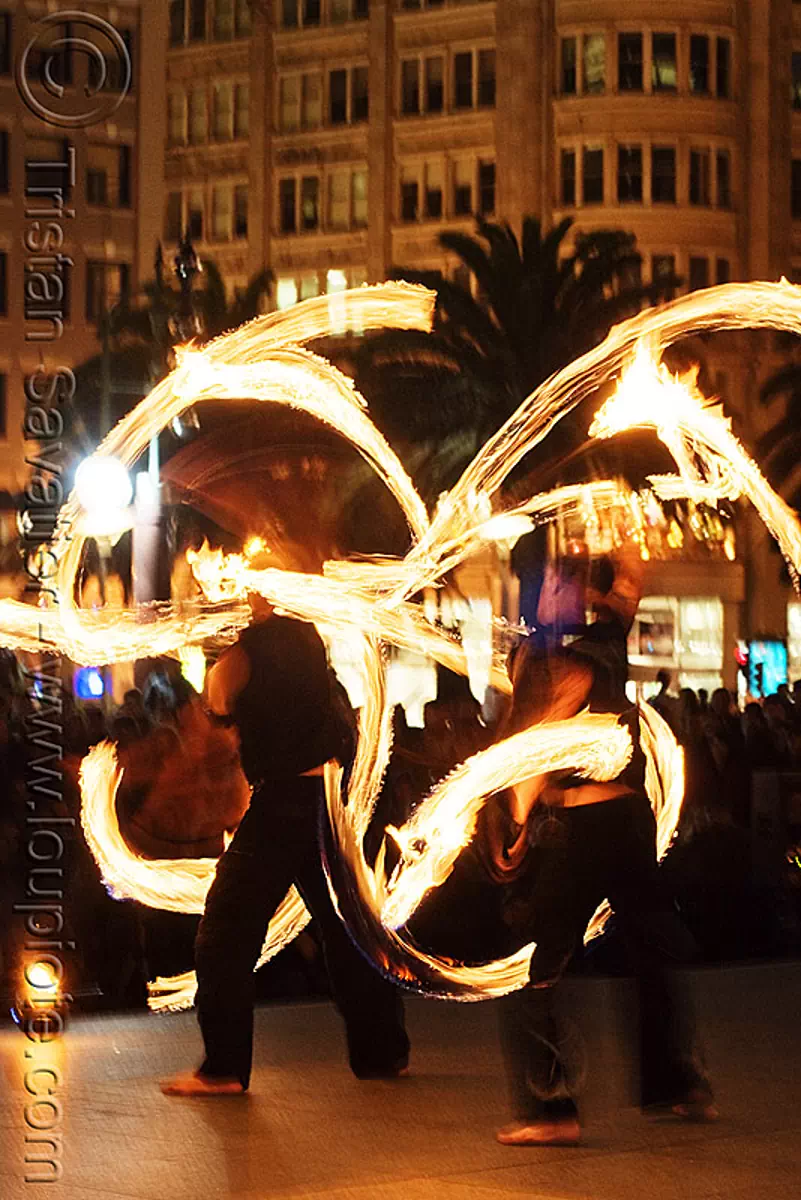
x: 586, y: 841
x: 274, y: 685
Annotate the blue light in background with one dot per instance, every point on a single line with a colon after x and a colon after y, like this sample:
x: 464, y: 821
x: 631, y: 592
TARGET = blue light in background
x: 767, y: 667
x: 88, y: 683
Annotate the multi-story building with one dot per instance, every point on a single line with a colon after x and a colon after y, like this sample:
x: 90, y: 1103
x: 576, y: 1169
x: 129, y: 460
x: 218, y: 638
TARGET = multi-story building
x: 90, y: 192
x: 333, y: 139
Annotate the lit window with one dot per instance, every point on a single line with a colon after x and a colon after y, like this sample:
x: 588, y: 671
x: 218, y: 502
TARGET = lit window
x: 664, y: 76
x: 312, y: 100
x: 359, y: 180
x: 289, y: 103
x: 336, y: 281
x: 339, y: 199
x: 594, y: 63
x: 309, y: 202
x: 223, y: 111
x: 241, y: 110
x: 221, y: 212
x: 286, y: 293
x: 223, y: 19
x: 309, y: 285
x: 198, y: 129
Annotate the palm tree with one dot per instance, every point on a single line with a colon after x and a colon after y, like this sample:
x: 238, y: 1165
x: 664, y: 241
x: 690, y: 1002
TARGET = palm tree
x: 141, y: 331
x: 536, y: 307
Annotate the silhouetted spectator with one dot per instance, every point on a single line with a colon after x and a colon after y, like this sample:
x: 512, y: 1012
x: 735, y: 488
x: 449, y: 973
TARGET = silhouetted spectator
x: 760, y: 748
x: 666, y: 705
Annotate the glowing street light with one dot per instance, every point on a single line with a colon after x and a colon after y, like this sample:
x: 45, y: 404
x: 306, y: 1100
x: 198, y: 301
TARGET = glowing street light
x: 104, y: 490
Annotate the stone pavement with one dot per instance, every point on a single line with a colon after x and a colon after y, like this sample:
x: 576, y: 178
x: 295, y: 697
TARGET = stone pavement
x: 309, y: 1129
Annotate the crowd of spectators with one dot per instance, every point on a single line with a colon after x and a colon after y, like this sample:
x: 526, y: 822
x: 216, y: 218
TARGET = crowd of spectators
x: 122, y: 944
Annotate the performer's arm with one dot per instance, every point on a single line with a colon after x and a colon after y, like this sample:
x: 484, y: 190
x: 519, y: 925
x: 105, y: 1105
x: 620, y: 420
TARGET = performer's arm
x: 226, y: 680
x: 623, y: 600
x: 570, y: 684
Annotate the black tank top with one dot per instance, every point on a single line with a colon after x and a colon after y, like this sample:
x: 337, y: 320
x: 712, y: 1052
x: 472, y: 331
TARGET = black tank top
x: 284, y: 713
x: 603, y: 647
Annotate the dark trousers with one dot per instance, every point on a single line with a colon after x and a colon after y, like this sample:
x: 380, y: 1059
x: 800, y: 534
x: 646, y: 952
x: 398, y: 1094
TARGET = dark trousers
x: 277, y: 844
x: 581, y: 856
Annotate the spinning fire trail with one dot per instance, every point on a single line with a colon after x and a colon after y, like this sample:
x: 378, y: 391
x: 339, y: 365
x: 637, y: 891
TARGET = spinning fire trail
x: 372, y: 604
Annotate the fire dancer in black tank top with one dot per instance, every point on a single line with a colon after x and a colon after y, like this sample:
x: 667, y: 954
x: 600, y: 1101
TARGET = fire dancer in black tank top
x: 591, y: 841
x: 276, y: 687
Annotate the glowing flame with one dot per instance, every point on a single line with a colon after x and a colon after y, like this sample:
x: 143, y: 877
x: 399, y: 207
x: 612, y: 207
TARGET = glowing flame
x: 371, y: 603
x: 41, y: 977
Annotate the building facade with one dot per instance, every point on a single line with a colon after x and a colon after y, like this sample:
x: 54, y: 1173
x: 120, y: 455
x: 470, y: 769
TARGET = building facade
x: 80, y: 205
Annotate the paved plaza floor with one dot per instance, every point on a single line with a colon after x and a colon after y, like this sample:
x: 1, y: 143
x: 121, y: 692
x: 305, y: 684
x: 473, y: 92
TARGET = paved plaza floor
x: 309, y: 1129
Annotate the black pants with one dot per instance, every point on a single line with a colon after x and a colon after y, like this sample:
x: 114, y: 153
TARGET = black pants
x: 276, y: 845
x: 581, y: 856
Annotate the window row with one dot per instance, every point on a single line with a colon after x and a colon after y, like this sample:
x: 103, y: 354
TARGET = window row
x: 334, y: 201
x: 289, y: 289
x: 643, y: 172
x: 108, y: 171
x: 208, y: 20
x: 107, y: 283
x: 217, y: 213
x: 297, y: 14
x: 53, y: 61
x: 439, y: 188
x: 338, y: 97
x: 645, y: 62
x: 466, y: 78
x: 220, y: 113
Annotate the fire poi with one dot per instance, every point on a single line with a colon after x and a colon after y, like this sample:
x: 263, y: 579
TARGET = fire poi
x: 371, y: 603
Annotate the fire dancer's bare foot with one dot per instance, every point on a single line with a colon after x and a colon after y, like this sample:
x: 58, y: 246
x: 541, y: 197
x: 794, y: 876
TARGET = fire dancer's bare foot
x: 700, y: 1111
x: 192, y: 1083
x: 540, y: 1133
